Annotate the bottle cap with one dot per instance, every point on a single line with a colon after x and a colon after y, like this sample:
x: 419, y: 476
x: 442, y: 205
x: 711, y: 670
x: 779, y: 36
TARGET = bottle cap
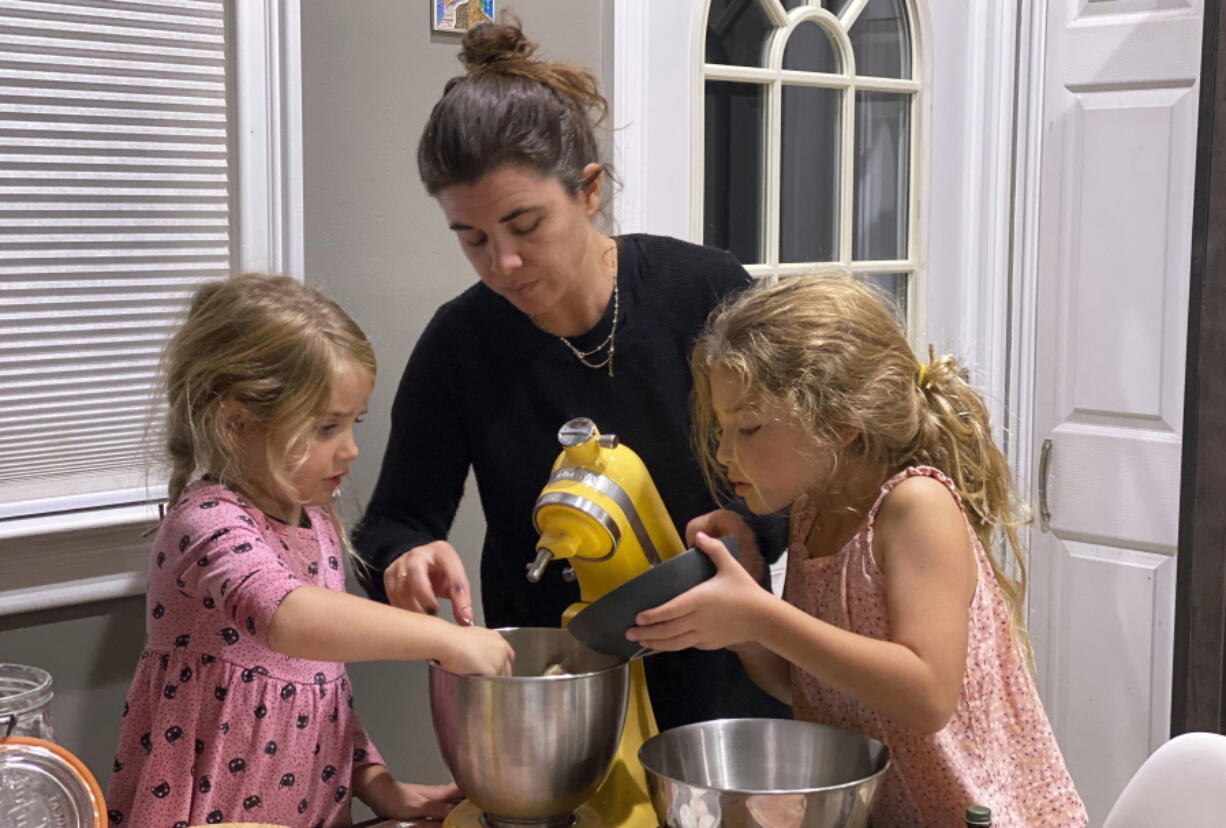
x: 978, y: 815
x: 46, y: 785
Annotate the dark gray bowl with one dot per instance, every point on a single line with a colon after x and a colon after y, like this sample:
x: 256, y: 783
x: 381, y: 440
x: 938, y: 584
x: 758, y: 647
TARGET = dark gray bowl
x: 602, y: 625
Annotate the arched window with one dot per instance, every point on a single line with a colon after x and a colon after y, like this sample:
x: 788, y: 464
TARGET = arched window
x: 811, y: 137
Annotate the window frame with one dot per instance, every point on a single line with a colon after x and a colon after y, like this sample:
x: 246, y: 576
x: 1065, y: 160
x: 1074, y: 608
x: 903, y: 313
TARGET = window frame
x: 95, y: 546
x: 837, y: 27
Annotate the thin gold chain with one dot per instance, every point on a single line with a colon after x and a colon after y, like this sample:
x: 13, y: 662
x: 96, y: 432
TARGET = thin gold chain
x: 609, y: 341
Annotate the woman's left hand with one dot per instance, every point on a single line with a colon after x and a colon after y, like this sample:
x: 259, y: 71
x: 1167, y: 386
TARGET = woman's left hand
x: 718, y: 613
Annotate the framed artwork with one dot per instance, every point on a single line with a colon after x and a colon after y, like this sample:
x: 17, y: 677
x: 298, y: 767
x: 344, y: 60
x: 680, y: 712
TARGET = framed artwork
x: 460, y: 15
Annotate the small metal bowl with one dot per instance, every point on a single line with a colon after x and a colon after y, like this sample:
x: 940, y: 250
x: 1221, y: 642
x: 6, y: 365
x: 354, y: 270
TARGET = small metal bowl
x: 773, y: 773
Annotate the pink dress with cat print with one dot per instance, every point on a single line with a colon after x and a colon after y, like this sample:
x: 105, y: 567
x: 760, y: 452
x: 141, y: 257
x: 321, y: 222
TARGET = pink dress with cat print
x: 218, y: 727
x: 997, y: 750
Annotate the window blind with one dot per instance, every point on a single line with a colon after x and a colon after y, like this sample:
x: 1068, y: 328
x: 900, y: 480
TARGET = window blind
x: 115, y: 203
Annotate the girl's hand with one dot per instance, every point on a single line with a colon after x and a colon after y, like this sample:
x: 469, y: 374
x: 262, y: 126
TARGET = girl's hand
x: 404, y: 800
x: 718, y: 613
x: 725, y: 522
x: 477, y: 651
x: 420, y: 577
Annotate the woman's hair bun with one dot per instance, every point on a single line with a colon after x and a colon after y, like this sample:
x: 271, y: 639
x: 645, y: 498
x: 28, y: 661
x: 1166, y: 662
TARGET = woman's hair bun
x: 489, y: 42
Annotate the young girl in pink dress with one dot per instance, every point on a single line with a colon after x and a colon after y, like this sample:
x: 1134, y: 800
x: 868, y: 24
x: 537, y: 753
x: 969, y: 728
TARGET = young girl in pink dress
x: 240, y: 710
x: 896, y: 621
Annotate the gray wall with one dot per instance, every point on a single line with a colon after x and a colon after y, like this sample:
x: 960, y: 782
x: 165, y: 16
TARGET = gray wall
x: 90, y: 651
x: 379, y: 245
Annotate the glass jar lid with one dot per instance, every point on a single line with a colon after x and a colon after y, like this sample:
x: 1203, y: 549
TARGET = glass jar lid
x: 48, y: 787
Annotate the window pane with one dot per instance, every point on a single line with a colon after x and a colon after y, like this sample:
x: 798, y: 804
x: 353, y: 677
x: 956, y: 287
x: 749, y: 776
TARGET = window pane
x: 809, y: 50
x: 809, y: 175
x: 737, y: 32
x: 882, y: 170
x: 835, y: 6
x: 732, y: 188
x: 881, y: 40
x: 791, y: 4
x: 893, y: 287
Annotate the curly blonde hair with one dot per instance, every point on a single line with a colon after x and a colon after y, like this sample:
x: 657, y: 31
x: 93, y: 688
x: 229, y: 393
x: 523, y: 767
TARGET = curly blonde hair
x: 830, y: 349
x: 270, y: 346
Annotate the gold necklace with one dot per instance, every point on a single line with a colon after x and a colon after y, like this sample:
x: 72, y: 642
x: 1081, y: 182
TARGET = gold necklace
x: 608, y: 340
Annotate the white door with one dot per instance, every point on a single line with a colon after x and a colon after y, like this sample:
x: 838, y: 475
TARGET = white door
x: 1115, y: 219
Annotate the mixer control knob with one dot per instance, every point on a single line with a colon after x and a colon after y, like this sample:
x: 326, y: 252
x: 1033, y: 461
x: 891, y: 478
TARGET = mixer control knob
x: 608, y: 441
x: 568, y: 574
x: 576, y: 432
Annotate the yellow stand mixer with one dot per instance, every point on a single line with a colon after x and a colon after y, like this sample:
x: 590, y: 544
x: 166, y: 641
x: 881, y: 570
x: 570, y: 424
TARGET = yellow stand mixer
x: 600, y: 511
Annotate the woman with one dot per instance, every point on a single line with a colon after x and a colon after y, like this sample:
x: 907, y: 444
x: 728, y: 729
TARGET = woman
x: 565, y: 322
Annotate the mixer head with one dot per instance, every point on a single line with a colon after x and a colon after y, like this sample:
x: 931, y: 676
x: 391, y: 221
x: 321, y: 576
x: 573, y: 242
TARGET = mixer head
x: 601, y: 511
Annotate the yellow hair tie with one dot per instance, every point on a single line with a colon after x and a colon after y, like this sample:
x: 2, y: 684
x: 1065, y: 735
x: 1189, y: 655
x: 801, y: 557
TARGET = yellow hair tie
x: 921, y: 378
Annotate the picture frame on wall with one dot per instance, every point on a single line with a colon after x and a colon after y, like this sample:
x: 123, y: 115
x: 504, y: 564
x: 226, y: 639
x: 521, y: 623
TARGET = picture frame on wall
x: 460, y: 15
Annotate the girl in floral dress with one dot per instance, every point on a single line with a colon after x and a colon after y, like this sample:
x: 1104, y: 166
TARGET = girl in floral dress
x: 896, y: 621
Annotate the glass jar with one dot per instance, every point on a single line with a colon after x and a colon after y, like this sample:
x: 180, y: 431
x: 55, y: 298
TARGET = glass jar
x: 25, y: 702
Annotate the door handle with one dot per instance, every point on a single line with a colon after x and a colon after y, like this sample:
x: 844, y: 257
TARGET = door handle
x: 1044, y: 465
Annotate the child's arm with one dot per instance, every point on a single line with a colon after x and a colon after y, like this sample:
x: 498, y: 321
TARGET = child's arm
x: 375, y: 786
x: 914, y: 678
x: 327, y: 625
x: 768, y: 671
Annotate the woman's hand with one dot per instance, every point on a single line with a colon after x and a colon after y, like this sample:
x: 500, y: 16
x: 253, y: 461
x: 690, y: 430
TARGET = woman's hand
x: 724, y: 522
x: 420, y: 577
x: 403, y: 800
x: 477, y: 651
x: 718, y: 613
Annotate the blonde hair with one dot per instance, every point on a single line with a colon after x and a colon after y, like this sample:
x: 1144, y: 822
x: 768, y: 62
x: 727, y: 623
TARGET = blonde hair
x: 830, y: 349
x: 269, y: 346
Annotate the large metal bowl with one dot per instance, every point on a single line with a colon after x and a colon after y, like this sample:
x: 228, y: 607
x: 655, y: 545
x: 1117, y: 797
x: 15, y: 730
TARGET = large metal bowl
x: 528, y: 746
x: 772, y: 773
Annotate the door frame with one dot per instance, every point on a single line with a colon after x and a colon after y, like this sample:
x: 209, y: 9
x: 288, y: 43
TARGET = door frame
x: 1198, y: 700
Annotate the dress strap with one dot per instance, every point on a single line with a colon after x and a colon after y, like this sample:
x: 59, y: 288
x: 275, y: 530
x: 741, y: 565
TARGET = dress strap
x: 912, y: 471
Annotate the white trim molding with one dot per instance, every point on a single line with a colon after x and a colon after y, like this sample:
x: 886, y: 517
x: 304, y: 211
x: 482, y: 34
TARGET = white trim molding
x: 652, y: 122
x: 83, y: 550
x: 1024, y: 255
x: 268, y: 58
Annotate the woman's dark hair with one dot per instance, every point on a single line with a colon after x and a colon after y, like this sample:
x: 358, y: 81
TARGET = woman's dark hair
x: 511, y: 109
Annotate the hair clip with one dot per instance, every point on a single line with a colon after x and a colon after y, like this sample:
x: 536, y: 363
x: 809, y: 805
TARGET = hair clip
x: 921, y: 378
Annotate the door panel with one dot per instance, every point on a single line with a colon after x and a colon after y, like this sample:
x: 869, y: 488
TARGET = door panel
x: 1109, y: 671
x: 1114, y: 244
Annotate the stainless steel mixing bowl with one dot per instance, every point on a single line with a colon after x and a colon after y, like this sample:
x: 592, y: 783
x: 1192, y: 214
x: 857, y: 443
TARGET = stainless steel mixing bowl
x: 772, y: 773
x: 528, y: 747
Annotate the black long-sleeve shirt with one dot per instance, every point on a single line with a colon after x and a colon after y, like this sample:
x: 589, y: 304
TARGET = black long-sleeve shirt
x: 486, y: 388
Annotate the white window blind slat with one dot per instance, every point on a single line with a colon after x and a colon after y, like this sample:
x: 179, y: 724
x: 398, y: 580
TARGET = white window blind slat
x: 115, y: 191
x: 53, y: 410
x: 101, y: 70
x: 120, y: 14
x: 113, y: 423
x: 12, y: 73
